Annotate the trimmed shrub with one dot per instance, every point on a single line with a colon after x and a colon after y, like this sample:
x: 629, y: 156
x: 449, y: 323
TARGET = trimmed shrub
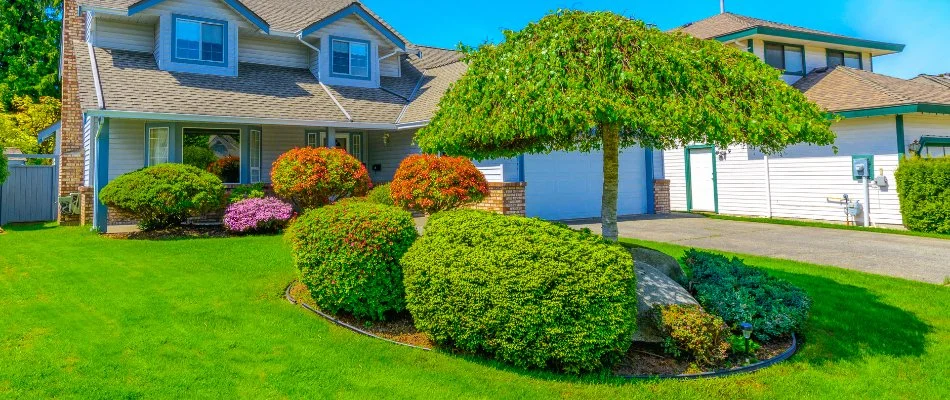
x: 4, y: 172
x: 314, y: 177
x: 199, y: 157
x: 431, y: 183
x: 348, y: 256
x: 529, y: 292
x: 691, y: 331
x: 739, y: 293
x: 227, y: 168
x: 923, y: 186
x: 380, y: 195
x: 164, y: 195
x: 258, y: 215
x: 243, y: 192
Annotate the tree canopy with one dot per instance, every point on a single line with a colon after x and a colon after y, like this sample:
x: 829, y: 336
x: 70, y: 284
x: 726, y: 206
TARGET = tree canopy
x: 19, y: 129
x: 579, y: 81
x: 29, y: 49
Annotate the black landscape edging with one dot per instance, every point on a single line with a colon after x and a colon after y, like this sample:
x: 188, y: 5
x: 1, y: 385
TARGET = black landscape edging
x: 330, y: 318
x: 712, y: 374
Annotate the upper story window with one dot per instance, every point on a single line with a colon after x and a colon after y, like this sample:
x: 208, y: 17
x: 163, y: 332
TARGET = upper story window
x: 349, y: 58
x: 846, y: 58
x: 787, y: 57
x: 199, y: 40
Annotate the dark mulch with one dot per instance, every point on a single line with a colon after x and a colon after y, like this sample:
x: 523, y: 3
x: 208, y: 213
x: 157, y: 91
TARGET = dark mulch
x: 176, y: 233
x: 642, y: 359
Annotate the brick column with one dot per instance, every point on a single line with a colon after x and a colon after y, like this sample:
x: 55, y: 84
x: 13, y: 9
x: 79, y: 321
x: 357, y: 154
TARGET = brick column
x: 72, y: 163
x: 85, y: 205
x: 504, y: 198
x: 661, y: 195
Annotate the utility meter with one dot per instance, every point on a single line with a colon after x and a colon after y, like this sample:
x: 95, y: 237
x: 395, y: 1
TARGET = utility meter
x: 860, y: 167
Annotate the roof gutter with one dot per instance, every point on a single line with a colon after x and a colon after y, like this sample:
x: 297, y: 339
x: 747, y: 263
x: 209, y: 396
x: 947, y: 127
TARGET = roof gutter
x: 100, y: 98
x: 884, y: 47
x: 926, y: 108
x: 251, y: 120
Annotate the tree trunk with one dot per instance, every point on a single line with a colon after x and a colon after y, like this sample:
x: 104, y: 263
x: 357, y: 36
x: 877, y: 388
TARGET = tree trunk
x: 610, y: 135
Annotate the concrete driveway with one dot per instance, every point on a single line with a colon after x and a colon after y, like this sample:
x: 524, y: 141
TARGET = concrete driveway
x: 910, y: 257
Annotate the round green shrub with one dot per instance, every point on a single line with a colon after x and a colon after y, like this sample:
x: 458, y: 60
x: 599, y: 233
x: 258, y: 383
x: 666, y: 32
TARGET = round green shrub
x: 348, y: 256
x: 4, y: 172
x: 690, y: 331
x: 244, y: 192
x: 380, y: 195
x: 199, y: 157
x: 164, y: 195
x: 529, y: 292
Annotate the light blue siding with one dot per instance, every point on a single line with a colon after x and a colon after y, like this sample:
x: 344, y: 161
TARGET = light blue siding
x: 564, y: 185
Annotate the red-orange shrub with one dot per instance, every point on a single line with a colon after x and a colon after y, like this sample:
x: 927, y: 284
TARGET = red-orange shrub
x: 314, y: 177
x: 227, y: 168
x: 431, y: 183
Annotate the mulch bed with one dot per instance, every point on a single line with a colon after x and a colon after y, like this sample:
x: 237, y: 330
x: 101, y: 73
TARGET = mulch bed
x: 178, y: 232
x: 642, y: 359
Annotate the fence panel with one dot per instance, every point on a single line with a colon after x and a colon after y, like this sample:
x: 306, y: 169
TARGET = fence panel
x: 29, y: 194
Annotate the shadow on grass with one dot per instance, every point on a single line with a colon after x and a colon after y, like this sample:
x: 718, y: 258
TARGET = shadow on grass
x: 848, y: 322
x: 30, y: 227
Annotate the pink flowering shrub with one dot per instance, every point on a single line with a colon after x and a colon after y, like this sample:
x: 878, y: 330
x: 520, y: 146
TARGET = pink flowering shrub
x: 268, y: 214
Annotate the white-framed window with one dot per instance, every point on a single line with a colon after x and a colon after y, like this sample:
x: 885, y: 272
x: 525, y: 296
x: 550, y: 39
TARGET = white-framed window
x: 789, y: 58
x: 255, y: 155
x: 158, y: 146
x: 349, y: 58
x: 356, y: 145
x: 316, y: 139
x: 199, y: 40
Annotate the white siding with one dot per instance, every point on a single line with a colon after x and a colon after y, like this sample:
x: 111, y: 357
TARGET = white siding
x: 113, y: 34
x: 276, y: 140
x: 388, y: 156
x: 390, y: 67
x: 90, y: 125
x: 510, y: 167
x: 741, y: 187
x: 126, y: 146
x: 917, y: 125
x: 873, y: 135
x: 565, y: 185
x: 674, y: 169
x: 263, y: 50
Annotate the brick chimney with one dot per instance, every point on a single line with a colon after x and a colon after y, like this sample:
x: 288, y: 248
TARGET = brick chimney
x: 72, y: 162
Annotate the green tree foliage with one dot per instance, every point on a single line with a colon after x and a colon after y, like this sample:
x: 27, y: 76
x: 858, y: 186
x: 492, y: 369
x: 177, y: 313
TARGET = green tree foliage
x: 29, y: 49
x: 19, y: 129
x: 4, y: 172
x: 579, y: 81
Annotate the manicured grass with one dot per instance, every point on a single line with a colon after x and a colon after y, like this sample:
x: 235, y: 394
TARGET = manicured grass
x: 817, y: 224
x: 90, y: 317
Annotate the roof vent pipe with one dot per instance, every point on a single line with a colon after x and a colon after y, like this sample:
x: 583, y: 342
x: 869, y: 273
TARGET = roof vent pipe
x: 722, y: 6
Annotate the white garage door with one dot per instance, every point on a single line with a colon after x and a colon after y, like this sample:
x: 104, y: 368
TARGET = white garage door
x: 564, y: 185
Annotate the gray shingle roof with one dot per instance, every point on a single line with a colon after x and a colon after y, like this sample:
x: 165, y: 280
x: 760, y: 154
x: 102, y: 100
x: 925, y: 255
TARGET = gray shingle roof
x: 726, y: 23
x: 845, y: 89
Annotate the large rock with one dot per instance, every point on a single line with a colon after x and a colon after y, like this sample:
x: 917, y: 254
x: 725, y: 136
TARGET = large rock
x: 659, y: 260
x: 654, y: 288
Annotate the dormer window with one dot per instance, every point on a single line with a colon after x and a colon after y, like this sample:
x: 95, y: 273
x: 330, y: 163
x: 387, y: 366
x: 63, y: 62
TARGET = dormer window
x: 349, y: 58
x: 199, y: 40
x: 847, y: 58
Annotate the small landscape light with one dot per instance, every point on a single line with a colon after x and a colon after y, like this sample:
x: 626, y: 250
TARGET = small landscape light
x: 746, y: 333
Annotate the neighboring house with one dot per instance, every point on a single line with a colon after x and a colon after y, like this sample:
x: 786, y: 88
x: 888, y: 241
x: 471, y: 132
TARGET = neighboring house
x: 882, y: 118
x: 141, y: 77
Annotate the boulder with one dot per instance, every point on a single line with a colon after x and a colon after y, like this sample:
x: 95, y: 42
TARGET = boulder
x: 659, y: 260
x: 654, y: 288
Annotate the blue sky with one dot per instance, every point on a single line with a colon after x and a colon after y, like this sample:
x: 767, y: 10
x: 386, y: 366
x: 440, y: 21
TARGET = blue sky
x: 923, y: 25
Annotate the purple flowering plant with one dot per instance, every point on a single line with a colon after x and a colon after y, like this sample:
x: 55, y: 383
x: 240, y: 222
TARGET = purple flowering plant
x: 268, y: 214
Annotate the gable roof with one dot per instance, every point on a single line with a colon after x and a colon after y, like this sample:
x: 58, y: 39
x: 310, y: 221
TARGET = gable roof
x: 279, y: 15
x: 728, y: 26
x: 237, y: 5
x: 852, y: 92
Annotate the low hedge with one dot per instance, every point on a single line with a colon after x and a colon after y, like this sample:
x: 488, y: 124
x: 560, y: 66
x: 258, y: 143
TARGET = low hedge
x: 529, y: 292
x: 380, y: 195
x: 738, y: 293
x: 348, y: 256
x: 923, y: 186
x: 164, y: 195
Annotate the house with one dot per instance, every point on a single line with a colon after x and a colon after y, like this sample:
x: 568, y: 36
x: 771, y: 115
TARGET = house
x: 144, y: 78
x: 883, y: 119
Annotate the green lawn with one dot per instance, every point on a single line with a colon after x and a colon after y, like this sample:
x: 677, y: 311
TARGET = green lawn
x: 82, y: 316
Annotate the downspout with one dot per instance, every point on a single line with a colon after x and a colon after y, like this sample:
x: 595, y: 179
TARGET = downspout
x: 320, y: 81
x: 390, y: 55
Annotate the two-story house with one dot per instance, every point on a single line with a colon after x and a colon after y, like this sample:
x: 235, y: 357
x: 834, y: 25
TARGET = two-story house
x: 154, y: 81
x: 883, y: 119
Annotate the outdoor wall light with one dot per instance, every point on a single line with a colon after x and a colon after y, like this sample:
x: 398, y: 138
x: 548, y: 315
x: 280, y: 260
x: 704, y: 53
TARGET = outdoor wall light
x: 914, y: 147
x: 746, y: 333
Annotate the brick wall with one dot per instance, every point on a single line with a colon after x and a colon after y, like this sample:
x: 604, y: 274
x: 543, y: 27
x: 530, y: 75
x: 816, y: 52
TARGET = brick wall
x: 661, y: 195
x: 504, y: 198
x: 85, y: 205
x: 72, y: 163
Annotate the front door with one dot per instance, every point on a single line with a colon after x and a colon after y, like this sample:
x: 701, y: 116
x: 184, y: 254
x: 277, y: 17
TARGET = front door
x: 343, y: 142
x: 702, y: 182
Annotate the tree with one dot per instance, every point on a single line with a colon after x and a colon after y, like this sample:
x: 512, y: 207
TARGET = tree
x: 19, y: 129
x: 578, y: 81
x: 29, y: 49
